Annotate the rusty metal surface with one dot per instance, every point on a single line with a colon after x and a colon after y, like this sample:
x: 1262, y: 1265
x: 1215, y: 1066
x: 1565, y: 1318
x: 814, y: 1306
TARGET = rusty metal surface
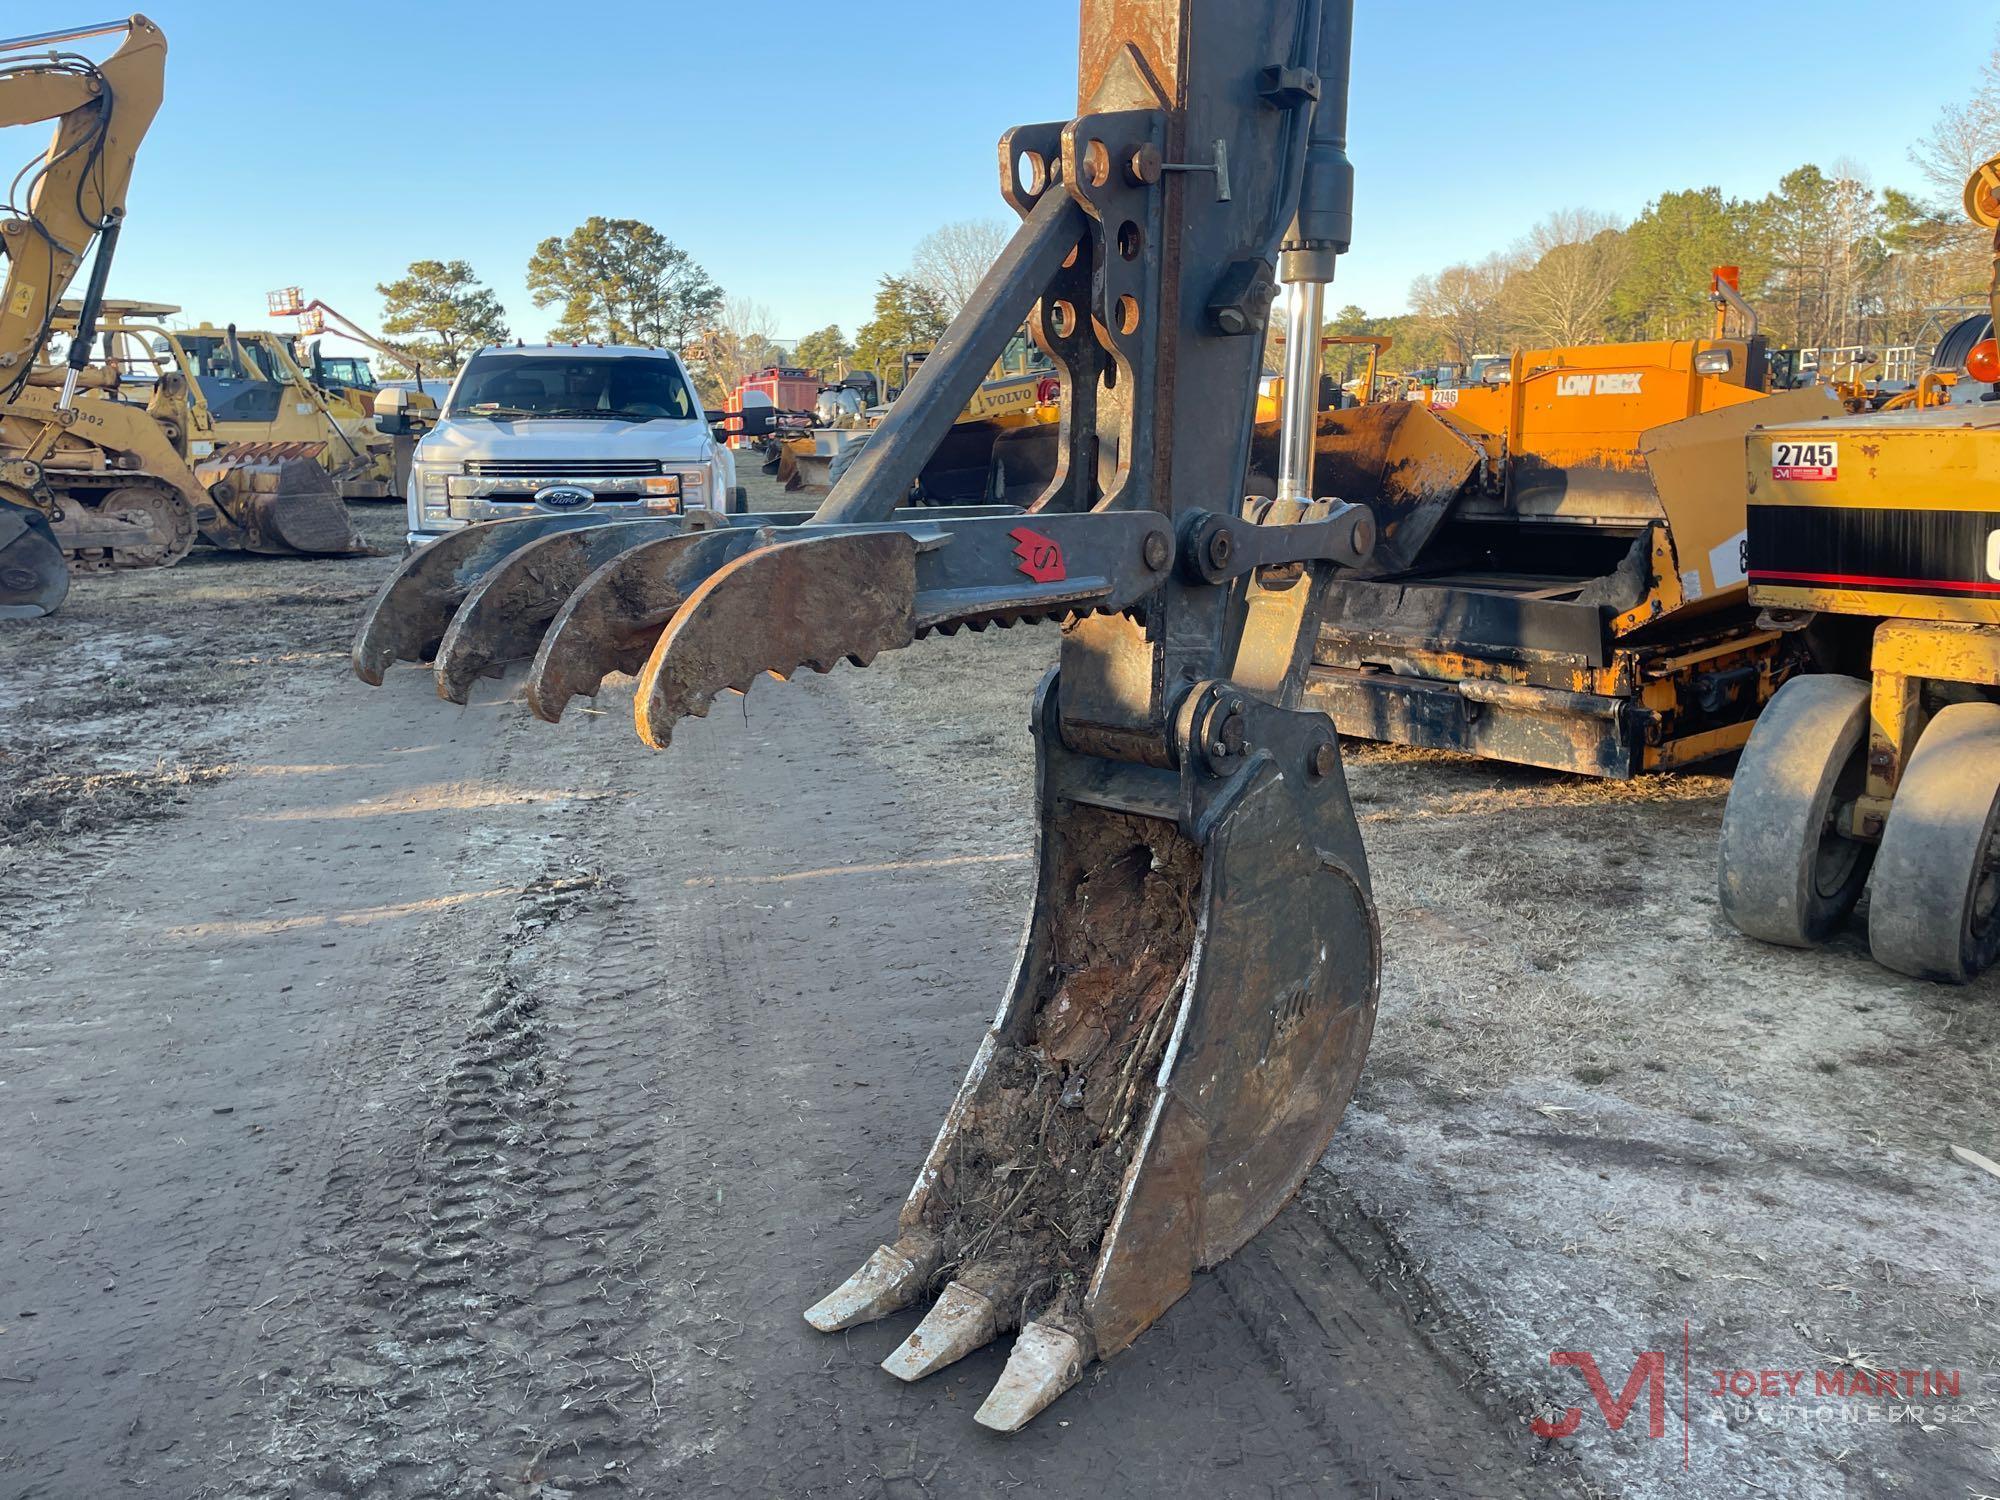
x: 407, y: 618
x: 1198, y: 984
x: 1187, y: 1021
x: 614, y: 617
x: 1144, y: 35
x: 1403, y: 461
x: 282, y: 500
x: 812, y: 603
x: 503, y: 617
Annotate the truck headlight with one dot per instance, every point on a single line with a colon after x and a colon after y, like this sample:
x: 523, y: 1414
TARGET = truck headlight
x: 434, y: 497
x: 694, y: 489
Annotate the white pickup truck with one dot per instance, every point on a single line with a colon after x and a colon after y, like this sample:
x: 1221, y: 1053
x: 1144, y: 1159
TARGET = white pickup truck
x: 563, y: 427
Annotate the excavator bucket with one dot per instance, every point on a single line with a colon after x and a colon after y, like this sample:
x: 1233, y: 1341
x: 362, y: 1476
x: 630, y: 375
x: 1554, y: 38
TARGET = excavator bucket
x: 1197, y: 988
x: 1186, y: 1023
x: 279, y: 501
x: 34, y: 574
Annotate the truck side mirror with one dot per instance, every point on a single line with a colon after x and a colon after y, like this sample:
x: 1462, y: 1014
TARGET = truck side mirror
x: 753, y: 422
x: 402, y: 413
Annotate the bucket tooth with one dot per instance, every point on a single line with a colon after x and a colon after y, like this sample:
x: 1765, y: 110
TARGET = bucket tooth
x: 505, y: 614
x: 613, y: 618
x: 890, y: 1279
x: 961, y: 1321
x: 1045, y: 1362
x: 814, y: 602
x: 407, y: 618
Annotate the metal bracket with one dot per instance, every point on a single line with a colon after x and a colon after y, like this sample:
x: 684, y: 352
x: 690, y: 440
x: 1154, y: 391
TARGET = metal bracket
x: 1220, y: 167
x: 1216, y: 548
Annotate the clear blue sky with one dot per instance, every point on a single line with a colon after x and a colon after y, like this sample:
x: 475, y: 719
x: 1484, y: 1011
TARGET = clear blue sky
x: 799, y: 150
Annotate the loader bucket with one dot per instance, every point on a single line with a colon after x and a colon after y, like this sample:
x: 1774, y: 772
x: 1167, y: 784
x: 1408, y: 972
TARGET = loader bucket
x: 281, y: 501
x: 34, y: 574
x: 806, y: 471
x: 1400, y: 459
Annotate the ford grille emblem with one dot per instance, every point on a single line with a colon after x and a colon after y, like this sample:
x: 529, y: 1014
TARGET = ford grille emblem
x: 563, y: 497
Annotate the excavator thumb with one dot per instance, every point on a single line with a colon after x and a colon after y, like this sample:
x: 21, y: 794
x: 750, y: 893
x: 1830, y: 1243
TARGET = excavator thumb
x: 1195, y: 995
x: 277, y: 499
x: 34, y: 573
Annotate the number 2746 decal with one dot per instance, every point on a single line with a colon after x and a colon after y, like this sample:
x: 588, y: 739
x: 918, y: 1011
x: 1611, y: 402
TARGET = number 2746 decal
x: 1805, y: 461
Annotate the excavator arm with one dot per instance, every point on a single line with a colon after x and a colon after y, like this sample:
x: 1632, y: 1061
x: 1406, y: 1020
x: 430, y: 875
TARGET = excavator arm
x: 73, y: 198
x: 102, y: 111
x: 1197, y: 987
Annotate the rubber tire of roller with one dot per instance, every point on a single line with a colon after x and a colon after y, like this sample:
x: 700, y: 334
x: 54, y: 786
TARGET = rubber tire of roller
x: 1786, y: 876
x: 1937, y: 884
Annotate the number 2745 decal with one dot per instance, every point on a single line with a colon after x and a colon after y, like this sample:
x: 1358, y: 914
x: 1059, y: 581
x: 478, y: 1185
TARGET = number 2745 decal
x: 1805, y: 461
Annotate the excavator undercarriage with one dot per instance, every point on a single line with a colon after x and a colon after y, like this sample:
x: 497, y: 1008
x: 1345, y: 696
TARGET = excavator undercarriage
x: 1197, y: 988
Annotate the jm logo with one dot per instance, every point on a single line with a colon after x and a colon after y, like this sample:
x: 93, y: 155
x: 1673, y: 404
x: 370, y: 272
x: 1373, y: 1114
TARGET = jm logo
x: 1648, y: 1375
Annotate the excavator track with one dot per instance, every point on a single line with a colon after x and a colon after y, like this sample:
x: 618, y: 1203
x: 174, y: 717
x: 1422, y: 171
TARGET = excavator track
x: 126, y: 523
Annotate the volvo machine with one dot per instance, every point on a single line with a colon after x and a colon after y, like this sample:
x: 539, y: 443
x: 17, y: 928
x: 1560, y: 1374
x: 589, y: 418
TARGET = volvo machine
x: 1197, y: 986
x: 1883, y: 533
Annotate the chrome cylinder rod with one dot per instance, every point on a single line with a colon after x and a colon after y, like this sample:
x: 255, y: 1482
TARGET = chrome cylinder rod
x: 56, y: 38
x: 1301, y: 406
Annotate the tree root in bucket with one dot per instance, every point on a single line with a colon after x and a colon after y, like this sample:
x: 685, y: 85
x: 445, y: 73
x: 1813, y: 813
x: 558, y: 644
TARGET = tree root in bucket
x: 1029, y: 1188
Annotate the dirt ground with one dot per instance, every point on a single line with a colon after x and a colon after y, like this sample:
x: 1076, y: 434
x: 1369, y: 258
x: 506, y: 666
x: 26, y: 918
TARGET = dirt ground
x: 405, y: 1100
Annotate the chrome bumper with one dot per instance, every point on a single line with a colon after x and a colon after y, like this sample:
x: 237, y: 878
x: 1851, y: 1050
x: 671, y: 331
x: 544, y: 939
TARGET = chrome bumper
x: 479, y: 499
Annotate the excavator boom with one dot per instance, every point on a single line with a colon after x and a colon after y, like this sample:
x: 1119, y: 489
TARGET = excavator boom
x: 1197, y: 987
x: 76, y: 194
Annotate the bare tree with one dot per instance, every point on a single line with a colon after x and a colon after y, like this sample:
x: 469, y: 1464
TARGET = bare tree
x: 1573, y: 260
x: 1463, y: 304
x: 739, y: 341
x: 1964, y: 135
x: 950, y: 261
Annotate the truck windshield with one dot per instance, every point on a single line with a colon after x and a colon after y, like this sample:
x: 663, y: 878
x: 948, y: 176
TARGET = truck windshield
x: 514, y: 387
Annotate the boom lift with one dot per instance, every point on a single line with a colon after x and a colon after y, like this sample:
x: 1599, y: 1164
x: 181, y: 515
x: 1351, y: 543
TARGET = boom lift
x: 1198, y: 983
x: 87, y: 480
x: 1888, y: 525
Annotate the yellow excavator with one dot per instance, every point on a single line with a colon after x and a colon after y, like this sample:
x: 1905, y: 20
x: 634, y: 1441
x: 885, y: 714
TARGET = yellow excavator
x: 1000, y: 450
x: 89, y: 480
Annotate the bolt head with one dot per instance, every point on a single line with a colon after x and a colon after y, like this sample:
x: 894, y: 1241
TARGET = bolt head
x: 1145, y: 165
x: 1157, y: 553
x: 1325, y: 757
